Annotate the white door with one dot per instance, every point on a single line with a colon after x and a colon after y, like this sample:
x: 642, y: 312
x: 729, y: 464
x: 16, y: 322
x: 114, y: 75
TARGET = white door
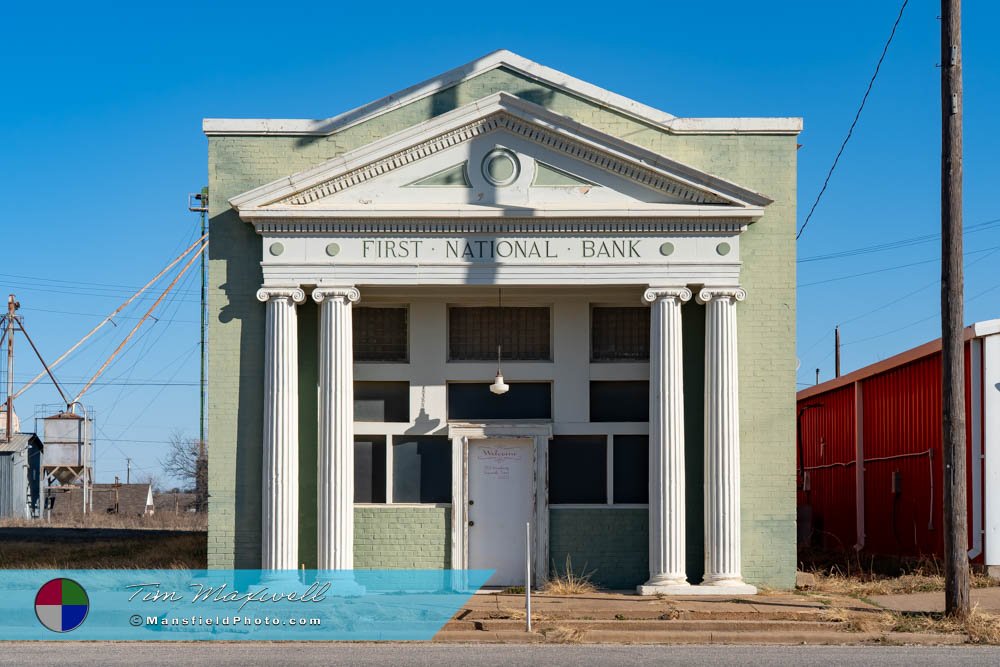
x: 501, y: 493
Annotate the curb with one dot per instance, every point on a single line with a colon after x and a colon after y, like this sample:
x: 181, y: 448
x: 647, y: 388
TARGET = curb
x: 704, y: 637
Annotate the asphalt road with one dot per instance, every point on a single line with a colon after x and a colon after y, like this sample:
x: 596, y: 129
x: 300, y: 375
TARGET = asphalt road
x: 106, y: 654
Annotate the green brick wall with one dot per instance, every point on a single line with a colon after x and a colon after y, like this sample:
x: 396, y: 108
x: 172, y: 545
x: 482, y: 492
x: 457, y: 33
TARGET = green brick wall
x: 766, y: 319
x: 415, y: 538
x: 612, y: 544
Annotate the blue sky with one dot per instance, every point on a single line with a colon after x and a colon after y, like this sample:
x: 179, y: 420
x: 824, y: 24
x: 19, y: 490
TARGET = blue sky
x: 102, y: 143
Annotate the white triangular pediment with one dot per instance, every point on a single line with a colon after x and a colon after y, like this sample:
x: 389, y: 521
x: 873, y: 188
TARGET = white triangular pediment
x: 500, y: 157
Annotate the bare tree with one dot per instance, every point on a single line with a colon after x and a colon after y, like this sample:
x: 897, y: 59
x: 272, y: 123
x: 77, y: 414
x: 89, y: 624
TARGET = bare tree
x: 182, y: 458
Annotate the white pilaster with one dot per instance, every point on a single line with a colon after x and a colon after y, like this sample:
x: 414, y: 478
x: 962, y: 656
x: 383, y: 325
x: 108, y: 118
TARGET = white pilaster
x: 280, y: 503
x: 667, y: 544
x: 335, y: 484
x: 722, y: 441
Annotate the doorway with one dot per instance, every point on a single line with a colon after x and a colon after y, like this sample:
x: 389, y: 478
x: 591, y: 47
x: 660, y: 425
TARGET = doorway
x: 500, y: 503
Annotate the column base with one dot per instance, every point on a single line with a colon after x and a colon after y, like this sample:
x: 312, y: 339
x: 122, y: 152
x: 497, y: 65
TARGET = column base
x: 700, y: 590
x: 665, y: 588
x: 342, y: 583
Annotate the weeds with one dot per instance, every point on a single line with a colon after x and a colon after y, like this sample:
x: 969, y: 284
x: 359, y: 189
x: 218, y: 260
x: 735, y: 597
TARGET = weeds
x: 569, y: 582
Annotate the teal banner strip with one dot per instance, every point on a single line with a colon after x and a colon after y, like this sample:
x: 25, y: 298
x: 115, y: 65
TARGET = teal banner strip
x: 186, y: 605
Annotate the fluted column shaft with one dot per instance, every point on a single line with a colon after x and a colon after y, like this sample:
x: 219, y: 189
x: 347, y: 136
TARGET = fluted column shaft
x: 722, y: 438
x: 667, y: 543
x: 335, y: 483
x: 280, y: 475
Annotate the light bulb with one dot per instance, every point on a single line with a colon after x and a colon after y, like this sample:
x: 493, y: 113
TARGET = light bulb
x: 499, y: 387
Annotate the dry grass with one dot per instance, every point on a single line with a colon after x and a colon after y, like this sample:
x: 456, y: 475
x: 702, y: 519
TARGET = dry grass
x: 563, y: 635
x: 569, y: 582
x: 859, y: 579
x: 979, y: 627
x: 195, y: 521
x: 104, y: 549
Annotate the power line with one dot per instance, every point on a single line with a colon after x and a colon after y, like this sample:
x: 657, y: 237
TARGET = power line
x: 857, y: 116
x: 893, y: 245
x: 891, y: 268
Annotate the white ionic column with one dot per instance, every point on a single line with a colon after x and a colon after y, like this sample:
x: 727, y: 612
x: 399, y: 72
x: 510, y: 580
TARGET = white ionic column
x: 335, y: 483
x: 280, y: 475
x: 722, y: 441
x: 667, y: 545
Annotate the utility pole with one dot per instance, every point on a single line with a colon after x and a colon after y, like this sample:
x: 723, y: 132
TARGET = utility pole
x: 128, y: 470
x: 836, y: 344
x: 12, y: 306
x: 956, y: 539
x: 198, y: 203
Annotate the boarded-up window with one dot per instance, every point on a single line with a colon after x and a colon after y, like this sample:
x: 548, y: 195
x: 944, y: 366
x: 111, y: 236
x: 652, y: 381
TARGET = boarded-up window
x: 421, y: 469
x: 380, y: 334
x: 578, y: 467
x: 382, y: 401
x: 619, y: 334
x: 619, y: 401
x: 369, y: 469
x: 474, y: 333
x: 524, y: 400
x: 630, y: 469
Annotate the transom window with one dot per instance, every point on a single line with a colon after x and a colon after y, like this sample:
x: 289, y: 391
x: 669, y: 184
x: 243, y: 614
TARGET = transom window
x: 475, y: 332
x: 619, y: 333
x: 380, y: 334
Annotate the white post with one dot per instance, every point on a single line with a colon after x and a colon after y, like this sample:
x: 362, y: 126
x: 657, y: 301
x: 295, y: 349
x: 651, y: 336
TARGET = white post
x: 667, y: 543
x: 335, y: 484
x: 280, y: 506
x: 527, y: 575
x: 722, y: 442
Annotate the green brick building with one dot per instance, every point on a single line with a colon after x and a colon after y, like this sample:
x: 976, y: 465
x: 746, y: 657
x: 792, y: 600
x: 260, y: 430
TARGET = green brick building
x: 505, y: 296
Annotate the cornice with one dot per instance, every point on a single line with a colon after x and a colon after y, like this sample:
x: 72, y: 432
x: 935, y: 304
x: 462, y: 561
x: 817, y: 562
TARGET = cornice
x: 648, y: 225
x: 304, y: 191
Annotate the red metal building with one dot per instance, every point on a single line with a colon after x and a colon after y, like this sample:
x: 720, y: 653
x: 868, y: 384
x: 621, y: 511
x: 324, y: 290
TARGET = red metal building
x: 869, y: 454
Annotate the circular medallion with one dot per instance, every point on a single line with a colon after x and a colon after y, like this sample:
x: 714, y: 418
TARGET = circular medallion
x: 333, y: 249
x: 501, y: 167
x: 61, y: 605
x: 666, y: 248
x: 723, y: 248
x: 276, y: 249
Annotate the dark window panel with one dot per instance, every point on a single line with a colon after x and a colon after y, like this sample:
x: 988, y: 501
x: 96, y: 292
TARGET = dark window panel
x: 382, y: 401
x: 619, y: 334
x: 619, y: 401
x: 421, y: 469
x: 525, y: 400
x: 630, y: 469
x: 369, y: 469
x: 473, y: 333
x: 578, y: 467
x: 380, y: 334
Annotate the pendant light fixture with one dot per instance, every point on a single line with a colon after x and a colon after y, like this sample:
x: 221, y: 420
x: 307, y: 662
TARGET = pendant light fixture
x: 499, y: 387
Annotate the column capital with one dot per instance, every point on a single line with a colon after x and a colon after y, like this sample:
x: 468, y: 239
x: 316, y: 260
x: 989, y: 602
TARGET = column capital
x: 654, y: 294
x: 348, y: 292
x: 296, y: 294
x: 707, y: 294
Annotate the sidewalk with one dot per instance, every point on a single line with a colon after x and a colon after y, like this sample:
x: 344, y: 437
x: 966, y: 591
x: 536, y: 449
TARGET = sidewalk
x: 984, y: 599
x: 770, y: 618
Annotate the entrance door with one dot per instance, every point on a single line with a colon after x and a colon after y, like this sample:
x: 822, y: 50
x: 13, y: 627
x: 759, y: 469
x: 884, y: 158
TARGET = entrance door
x: 500, y: 504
